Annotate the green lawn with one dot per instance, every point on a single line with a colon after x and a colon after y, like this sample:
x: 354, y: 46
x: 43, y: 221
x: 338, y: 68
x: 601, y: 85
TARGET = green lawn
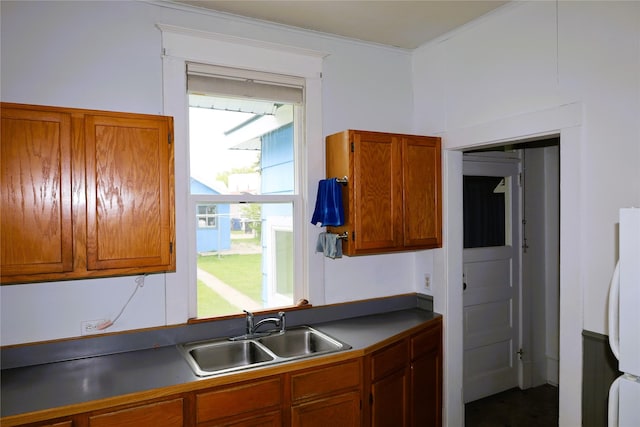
x: 241, y: 272
x: 211, y: 304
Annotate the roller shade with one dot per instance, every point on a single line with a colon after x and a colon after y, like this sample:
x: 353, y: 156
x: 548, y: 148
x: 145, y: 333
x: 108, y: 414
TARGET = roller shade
x: 203, y: 79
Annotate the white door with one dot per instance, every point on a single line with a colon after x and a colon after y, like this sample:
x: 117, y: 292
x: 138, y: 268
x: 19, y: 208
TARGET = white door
x: 491, y: 269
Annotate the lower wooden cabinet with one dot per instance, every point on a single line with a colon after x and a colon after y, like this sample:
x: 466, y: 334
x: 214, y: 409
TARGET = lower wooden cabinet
x: 243, y: 404
x: 389, y: 400
x: 397, y: 385
x: 67, y: 423
x: 426, y: 377
x: 338, y: 410
x: 161, y: 414
x: 405, y: 383
x: 327, y: 395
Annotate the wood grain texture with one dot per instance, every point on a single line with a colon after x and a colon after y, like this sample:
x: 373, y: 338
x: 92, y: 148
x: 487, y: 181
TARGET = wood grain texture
x: 393, y: 200
x: 236, y: 400
x: 85, y: 194
x: 422, y: 175
x: 341, y: 410
x: 127, y: 192
x: 426, y: 377
x: 316, y: 382
x: 36, y: 192
x: 160, y: 414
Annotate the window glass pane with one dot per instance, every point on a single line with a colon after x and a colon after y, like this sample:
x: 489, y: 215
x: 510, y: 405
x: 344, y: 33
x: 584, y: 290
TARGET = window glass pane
x: 249, y: 150
x: 484, y: 211
x: 284, y: 263
x: 246, y: 263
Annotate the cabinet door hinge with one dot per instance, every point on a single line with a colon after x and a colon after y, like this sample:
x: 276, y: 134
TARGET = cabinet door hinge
x: 370, y: 398
x: 170, y: 247
x: 353, y: 236
x: 353, y: 147
x: 169, y: 138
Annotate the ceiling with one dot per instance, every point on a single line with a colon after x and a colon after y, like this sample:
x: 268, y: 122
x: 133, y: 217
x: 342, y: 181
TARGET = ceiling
x: 399, y: 23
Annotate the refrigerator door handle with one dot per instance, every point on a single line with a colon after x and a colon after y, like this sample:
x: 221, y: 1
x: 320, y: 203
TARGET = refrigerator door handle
x: 614, y: 401
x: 614, y: 312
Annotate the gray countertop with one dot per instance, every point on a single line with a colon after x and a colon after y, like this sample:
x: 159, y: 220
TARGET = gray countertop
x: 51, y: 385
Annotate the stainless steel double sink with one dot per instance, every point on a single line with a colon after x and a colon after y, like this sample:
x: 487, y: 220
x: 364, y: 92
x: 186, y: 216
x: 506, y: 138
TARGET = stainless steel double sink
x: 221, y: 356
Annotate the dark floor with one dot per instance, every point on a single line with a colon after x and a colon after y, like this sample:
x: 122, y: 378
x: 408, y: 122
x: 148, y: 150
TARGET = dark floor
x: 534, y: 407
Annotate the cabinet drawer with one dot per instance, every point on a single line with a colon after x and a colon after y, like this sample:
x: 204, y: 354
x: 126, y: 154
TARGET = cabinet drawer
x: 426, y: 342
x: 325, y: 380
x: 229, y: 401
x: 270, y: 419
x: 389, y: 359
x: 161, y: 414
x: 342, y: 410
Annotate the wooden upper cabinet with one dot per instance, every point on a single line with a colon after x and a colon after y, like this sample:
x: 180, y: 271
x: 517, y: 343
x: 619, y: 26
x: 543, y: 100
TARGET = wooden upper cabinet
x: 422, y: 187
x: 85, y: 193
x: 392, y: 200
x: 128, y: 197
x: 36, y: 192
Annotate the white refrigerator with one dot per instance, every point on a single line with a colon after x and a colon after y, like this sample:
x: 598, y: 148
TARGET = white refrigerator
x: 624, y: 324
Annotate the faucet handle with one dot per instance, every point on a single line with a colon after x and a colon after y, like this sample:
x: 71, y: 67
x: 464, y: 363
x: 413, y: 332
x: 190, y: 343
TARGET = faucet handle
x: 249, y: 321
x: 281, y: 320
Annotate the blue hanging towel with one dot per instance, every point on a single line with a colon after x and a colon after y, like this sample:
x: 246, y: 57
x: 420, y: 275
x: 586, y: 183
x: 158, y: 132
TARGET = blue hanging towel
x: 329, y: 210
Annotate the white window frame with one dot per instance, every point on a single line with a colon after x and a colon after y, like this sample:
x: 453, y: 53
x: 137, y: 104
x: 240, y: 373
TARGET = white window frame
x: 181, y: 45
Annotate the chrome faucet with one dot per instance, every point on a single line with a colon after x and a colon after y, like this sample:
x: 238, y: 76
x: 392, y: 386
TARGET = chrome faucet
x: 252, y: 327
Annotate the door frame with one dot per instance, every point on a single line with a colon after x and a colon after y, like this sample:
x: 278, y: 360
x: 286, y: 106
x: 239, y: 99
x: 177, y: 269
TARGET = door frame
x: 503, y: 164
x: 566, y: 120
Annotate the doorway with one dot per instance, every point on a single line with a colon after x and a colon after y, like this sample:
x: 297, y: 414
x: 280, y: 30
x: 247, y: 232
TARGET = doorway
x: 511, y: 324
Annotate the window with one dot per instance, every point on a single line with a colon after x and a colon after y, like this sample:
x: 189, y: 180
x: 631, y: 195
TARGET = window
x: 207, y: 216
x: 244, y: 138
x: 485, y: 211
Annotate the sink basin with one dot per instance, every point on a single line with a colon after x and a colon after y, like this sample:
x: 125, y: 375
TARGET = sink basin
x: 299, y: 342
x: 221, y: 356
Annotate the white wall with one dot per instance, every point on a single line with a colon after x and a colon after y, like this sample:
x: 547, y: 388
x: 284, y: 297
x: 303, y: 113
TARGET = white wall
x: 538, y: 68
x: 107, y: 55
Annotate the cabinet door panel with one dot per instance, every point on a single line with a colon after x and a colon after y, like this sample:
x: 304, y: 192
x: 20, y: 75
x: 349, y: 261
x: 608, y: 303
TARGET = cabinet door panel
x: 235, y: 400
x: 271, y: 419
x: 320, y: 381
x: 392, y: 358
x: 161, y: 414
x: 128, y: 192
x: 426, y: 377
x: 36, y: 192
x: 426, y: 405
x: 377, y: 190
x: 422, y: 182
x: 341, y: 410
x: 389, y: 399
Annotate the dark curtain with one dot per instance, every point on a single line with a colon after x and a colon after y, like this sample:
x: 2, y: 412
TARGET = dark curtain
x: 483, y: 211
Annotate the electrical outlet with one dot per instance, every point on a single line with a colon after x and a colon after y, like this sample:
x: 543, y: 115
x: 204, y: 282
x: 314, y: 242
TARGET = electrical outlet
x: 90, y: 327
x: 427, y: 281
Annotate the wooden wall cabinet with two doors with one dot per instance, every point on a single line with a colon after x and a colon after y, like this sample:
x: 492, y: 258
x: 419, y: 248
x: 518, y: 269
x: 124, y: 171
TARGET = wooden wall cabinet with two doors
x: 85, y: 193
x: 392, y: 200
